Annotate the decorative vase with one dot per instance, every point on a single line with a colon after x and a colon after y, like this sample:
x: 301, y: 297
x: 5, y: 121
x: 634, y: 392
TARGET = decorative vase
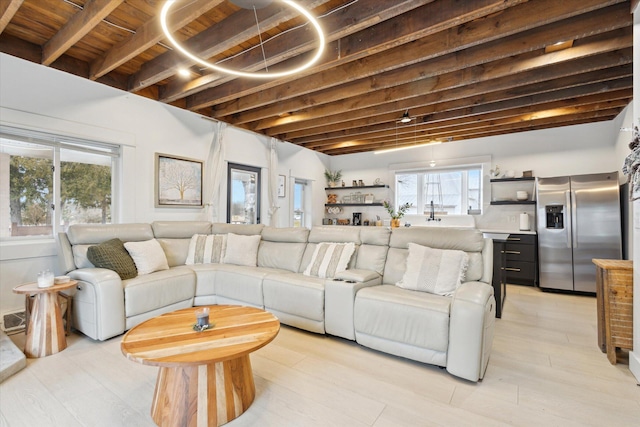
x: 332, y: 184
x: 395, y: 223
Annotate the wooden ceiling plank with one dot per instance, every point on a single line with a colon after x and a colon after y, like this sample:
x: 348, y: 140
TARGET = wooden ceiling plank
x: 362, y: 106
x: 509, y: 21
x: 491, y: 120
x: 517, y: 126
x: 237, y: 28
x: 354, y: 40
x: 605, y: 66
x: 8, y: 8
x: 538, y: 38
x: 77, y: 27
x: 146, y: 36
x: 567, y: 98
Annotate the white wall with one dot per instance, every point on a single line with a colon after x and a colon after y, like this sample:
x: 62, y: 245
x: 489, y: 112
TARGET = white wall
x: 43, y: 98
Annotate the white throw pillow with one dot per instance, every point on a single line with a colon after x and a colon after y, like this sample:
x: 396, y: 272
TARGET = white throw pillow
x: 147, y: 255
x: 438, y: 271
x: 206, y: 249
x: 242, y: 250
x: 329, y: 259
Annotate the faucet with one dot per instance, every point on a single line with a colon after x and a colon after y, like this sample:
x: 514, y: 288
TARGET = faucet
x: 432, y: 213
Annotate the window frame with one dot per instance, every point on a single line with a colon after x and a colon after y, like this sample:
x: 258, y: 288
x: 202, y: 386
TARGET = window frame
x: 58, y: 142
x: 246, y: 168
x: 421, y: 173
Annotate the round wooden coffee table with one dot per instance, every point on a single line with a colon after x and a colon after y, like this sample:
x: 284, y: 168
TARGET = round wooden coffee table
x: 45, y: 334
x: 205, y: 378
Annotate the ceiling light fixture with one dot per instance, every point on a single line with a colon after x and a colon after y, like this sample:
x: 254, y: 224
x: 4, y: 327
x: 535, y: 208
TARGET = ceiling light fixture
x: 183, y: 72
x: 253, y: 4
x: 405, y: 117
x: 558, y: 46
x: 406, y: 147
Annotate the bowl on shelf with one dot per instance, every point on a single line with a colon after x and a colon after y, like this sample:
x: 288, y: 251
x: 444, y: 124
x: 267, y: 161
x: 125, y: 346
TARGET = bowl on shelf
x: 522, y: 195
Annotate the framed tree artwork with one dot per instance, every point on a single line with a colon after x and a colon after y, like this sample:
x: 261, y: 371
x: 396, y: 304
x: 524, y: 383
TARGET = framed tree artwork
x: 178, y: 182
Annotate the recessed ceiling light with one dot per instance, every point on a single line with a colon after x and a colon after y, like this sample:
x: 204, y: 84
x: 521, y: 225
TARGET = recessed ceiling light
x: 183, y: 72
x: 558, y: 46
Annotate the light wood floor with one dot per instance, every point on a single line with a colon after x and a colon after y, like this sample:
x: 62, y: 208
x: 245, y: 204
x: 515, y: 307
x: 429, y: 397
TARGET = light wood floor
x: 545, y: 370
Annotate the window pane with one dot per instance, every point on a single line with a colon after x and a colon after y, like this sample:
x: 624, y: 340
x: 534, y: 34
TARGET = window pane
x: 298, y: 204
x: 407, y: 191
x: 29, y: 189
x: 85, y: 188
x: 243, y: 194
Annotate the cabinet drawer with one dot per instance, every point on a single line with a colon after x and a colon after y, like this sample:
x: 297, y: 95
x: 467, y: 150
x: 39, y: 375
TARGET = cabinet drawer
x: 520, y: 252
x: 529, y: 239
x: 521, y: 273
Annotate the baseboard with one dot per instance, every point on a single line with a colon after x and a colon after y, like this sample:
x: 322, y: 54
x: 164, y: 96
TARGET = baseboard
x: 634, y: 364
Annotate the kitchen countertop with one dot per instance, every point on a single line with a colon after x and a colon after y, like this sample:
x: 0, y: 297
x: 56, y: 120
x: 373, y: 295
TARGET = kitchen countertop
x: 505, y: 231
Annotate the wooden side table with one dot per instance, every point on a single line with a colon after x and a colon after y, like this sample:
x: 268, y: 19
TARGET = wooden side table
x: 614, y: 293
x: 45, y: 331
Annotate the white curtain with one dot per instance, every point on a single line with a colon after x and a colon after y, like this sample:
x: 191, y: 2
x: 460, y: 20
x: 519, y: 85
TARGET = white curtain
x: 273, y: 183
x: 218, y: 173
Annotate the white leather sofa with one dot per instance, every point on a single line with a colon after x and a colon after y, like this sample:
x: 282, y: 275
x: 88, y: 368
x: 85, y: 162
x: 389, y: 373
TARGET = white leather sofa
x: 362, y: 303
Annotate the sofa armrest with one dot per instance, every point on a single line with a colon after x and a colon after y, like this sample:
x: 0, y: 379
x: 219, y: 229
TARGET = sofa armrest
x: 339, y: 300
x: 98, y: 303
x: 471, y: 325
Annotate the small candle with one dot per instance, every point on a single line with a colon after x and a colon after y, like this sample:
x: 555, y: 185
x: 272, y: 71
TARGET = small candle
x: 202, y: 317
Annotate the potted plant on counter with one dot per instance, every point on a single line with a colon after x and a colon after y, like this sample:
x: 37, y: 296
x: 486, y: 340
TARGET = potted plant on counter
x: 333, y: 177
x: 396, y: 215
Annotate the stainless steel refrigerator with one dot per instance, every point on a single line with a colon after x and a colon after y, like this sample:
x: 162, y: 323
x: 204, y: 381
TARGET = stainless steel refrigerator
x: 578, y: 220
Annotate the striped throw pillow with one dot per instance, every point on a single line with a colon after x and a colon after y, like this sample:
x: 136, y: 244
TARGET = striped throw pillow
x: 329, y: 259
x: 206, y: 249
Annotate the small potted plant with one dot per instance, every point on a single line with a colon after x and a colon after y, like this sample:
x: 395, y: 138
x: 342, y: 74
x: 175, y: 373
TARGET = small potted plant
x: 333, y: 177
x: 395, y: 216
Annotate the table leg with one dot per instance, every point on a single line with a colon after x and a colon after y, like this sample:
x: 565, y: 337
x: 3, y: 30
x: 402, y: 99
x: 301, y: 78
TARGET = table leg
x: 45, y: 333
x: 203, y: 395
x: 600, y: 310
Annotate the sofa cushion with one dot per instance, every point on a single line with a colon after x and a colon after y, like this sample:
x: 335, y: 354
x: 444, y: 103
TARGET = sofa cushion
x: 148, y: 256
x: 152, y: 291
x: 206, y: 249
x: 329, y: 259
x: 295, y: 294
x: 242, y: 250
x: 237, y: 284
x: 113, y: 256
x: 416, y: 318
x: 438, y: 271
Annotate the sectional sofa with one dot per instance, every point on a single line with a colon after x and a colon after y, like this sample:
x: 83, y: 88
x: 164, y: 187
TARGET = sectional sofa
x: 362, y: 303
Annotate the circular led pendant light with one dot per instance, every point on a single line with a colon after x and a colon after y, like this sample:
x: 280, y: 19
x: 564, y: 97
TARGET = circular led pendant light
x: 248, y: 4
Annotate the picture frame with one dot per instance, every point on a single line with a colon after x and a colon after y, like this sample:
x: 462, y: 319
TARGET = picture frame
x: 178, y: 181
x: 282, y: 186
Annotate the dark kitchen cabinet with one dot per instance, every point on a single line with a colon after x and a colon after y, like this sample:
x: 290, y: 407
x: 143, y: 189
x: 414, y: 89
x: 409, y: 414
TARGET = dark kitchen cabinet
x: 521, y: 259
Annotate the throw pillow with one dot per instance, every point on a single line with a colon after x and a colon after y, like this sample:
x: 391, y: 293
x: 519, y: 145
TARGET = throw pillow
x: 438, y: 271
x: 148, y: 256
x: 113, y: 256
x: 329, y: 259
x: 242, y: 250
x: 206, y: 249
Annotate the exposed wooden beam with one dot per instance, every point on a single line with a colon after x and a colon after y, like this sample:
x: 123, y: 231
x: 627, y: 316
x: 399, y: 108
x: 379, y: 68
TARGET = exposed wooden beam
x: 77, y: 27
x: 8, y: 8
x: 393, y: 26
x: 433, y: 87
x: 564, y: 98
x: 146, y: 36
x: 442, y: 62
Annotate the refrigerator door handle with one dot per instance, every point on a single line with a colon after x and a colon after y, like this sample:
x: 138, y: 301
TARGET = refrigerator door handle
x: 568, y: 224
x: 574, y: 219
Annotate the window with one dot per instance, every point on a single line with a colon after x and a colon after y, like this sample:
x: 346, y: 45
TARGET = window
x: 299, y: 203
x: 51, y: 181
x: 243, y: 194
x: 452, y: 191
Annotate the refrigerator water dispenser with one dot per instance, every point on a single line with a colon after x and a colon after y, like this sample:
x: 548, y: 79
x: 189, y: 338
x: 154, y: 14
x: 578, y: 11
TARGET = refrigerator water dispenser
x: 555, y: 216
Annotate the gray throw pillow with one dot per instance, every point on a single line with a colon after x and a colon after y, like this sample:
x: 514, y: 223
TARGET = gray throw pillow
x: 113, y: 256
